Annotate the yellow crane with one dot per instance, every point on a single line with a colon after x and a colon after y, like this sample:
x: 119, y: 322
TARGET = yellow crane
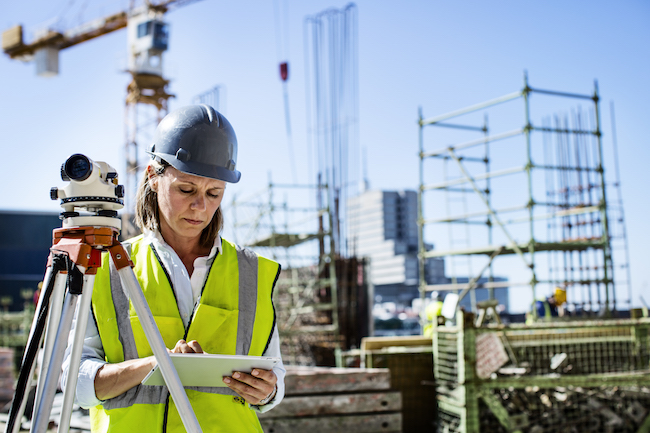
x: 51, y: 41
x: 147, y: 95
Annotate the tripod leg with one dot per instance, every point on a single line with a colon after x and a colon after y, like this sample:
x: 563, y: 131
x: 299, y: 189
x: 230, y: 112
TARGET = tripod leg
x: 22, y: 389
x: 14, y: 426
x: 157, y: 344
x: 44, y: 406
x: 54, y: 317
x: 83, y: 310
x: 33, y: 344
x: 43, y: 303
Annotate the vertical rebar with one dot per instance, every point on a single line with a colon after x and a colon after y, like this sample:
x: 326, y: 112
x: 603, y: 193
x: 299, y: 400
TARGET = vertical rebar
x: 620, y: 203
x: 450, y: 224
x: 572, y: 221
x: 605, y: 234
x: 332, y: 277
x: 592, y: 229
x: 488, y: 196
x: 549, y: 189
x: 583, y: 188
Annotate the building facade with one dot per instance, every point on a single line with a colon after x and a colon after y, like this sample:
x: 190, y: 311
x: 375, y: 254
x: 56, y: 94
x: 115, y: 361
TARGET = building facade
x: 383, y: 228
x: 25, y: 241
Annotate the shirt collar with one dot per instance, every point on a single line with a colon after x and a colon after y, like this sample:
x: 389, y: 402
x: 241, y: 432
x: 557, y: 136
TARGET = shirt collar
x: 154, y: 237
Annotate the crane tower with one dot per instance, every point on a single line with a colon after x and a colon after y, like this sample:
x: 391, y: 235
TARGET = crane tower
x: 147, y: 95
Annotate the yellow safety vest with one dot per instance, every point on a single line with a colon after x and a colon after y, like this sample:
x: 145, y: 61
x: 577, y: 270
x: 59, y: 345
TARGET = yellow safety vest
x: 432, y: 312
x: 234, y: 316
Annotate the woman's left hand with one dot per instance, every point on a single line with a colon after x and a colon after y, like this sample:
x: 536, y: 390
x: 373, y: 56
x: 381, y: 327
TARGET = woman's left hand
x: 183, y: 346
x: 254, y: 387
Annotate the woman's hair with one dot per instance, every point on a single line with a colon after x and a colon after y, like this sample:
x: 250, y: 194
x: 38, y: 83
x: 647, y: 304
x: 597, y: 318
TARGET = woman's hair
x: 146, y: 208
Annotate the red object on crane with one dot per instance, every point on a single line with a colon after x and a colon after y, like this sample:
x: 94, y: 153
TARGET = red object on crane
x: 284, y: 71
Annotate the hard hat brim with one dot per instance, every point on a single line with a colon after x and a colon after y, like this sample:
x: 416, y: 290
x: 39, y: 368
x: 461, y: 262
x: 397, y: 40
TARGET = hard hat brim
x: 200, y: 169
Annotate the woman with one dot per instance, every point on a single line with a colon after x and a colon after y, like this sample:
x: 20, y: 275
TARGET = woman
x: 205, y: 293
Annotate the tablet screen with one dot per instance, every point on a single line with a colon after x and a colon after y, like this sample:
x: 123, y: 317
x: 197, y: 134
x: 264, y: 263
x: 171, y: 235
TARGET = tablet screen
x: 200, y: 369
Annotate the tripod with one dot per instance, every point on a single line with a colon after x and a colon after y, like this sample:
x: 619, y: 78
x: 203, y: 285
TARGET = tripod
x: 74, y: 259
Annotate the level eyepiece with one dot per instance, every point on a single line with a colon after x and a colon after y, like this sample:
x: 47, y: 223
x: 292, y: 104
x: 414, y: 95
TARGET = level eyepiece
x: 77, y: 168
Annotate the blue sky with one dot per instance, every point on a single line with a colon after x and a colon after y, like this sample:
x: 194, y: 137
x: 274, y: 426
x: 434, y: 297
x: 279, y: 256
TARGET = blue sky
x: 435, y: 54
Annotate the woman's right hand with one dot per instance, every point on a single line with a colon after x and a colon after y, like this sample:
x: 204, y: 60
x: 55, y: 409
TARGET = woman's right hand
x: 187, y: 347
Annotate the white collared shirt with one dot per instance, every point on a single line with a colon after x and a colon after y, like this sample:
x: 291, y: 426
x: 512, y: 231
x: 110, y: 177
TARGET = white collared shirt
x: 187, y: 290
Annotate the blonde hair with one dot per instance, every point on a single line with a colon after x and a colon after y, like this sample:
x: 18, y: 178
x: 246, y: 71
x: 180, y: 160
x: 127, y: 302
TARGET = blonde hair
x: 146, y: 208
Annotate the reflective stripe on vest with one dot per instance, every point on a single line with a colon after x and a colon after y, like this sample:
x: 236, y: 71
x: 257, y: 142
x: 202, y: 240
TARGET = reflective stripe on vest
x: 122, y: 335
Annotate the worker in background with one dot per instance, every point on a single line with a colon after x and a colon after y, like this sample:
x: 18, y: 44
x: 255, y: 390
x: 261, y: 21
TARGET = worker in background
x: 205, y: 293
x: 547, y: 308
x: 433, y: 313
x: 37, y: 293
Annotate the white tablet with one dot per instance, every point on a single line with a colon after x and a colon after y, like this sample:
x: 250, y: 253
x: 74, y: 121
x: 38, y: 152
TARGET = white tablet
x: 201, y: 369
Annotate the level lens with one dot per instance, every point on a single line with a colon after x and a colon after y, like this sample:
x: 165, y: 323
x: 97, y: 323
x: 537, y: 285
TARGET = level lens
x: 78, y: 167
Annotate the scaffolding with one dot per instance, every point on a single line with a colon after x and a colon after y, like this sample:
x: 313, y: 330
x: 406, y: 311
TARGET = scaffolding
x: 535, y: 193
x: 300, y: 238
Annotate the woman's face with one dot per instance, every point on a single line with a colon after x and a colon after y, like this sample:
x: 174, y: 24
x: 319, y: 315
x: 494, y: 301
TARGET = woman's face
x: 186, y: 203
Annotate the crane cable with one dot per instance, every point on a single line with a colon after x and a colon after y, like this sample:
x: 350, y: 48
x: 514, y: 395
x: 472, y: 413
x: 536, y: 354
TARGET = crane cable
x: 282, y: 47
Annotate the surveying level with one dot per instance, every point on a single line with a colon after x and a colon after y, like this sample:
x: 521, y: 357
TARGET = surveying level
x: 90, y: 226
x: 93, y: 188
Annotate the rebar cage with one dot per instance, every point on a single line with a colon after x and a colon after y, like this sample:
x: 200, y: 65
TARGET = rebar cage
x: 573, y: 376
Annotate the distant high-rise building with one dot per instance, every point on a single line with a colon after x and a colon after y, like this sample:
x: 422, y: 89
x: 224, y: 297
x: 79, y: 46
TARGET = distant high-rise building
x: 383, y: 227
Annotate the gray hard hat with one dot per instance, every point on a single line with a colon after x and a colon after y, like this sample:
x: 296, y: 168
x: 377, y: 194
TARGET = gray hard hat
x: 199, y: 140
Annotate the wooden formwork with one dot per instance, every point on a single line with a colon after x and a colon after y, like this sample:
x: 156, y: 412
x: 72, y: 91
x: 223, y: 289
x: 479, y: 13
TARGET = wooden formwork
x: 331, y: 400
x: 586, y: 376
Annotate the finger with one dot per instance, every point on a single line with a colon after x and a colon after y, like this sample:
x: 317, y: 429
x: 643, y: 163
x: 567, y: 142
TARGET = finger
x: 266, y: 375
x: 185, y: 348
x: 195, y: 346
x: 254, y: 397
x: 245, y: 384
x: 178, y: 346
x: 258, y: 384
x: 251, y: 399
x: 244, y: 391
